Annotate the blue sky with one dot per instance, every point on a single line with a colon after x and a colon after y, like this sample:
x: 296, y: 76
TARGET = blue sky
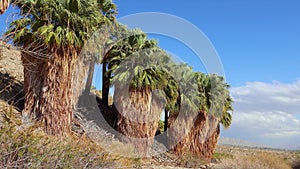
x: 256, y: 40
x: 258, y: 43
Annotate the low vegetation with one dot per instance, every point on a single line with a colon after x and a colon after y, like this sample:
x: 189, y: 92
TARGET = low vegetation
x: 31, y: 148
x: 260, y: 160
x: 218, y: 156
x: 190, y: 161
x: 244, y: 158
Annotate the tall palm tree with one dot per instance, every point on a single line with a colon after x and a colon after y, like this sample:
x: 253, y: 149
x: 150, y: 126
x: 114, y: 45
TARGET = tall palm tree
x: 175, y: 74
x: 136, y: 75
x: 172, y: 94
x: 116, y: 52
x: 51, y: 34
x: 102, y: 41
x: 214, y: 104
x: 117, y: 48
x: 219, y: 112
x: 186, y: 109
x: 4, y: 4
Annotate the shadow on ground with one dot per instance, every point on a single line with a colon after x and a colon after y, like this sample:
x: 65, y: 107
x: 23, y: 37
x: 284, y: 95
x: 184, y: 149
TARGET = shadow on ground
x: 11, y: 91
x: 296, y: 166
x: 92, y: 108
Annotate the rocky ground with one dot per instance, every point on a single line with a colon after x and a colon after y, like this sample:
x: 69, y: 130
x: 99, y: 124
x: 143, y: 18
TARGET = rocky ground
x: 11, y: 76
x: 93, y: 124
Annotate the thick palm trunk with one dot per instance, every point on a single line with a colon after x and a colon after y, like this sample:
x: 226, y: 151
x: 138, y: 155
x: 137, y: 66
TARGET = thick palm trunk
x: 89, y: 80
x: 139, y: 113
x: 51, y: 90
x: 200, y: 141
x: 4, y: 4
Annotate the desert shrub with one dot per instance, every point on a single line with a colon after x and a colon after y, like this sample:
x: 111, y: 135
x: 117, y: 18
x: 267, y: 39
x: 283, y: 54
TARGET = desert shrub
x: 161, y: 126
x: 219, y: 156
x: 190, y: 161
x: 32, y: 148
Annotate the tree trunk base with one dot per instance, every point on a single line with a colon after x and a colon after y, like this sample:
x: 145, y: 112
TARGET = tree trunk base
x: 200, y: 142
x: 138, y: 118
x: 52, y: 88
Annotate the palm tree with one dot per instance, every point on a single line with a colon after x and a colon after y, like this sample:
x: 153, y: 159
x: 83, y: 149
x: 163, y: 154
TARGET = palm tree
x: 214, y: 104
x: 137, y: 73
x: 4, y: 4
x: 219, y: 112
x: 101, y: 42
x: 115, y: 51
x: 186, y: 109
x: 51, y: 34
x: 172, y: 94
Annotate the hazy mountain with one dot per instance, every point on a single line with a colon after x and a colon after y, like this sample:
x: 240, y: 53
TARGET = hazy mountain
x: 239, y: 143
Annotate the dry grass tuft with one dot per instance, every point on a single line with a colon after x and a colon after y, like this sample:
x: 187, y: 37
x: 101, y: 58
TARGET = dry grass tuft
x: 218, y: 156
x: 190, y: 161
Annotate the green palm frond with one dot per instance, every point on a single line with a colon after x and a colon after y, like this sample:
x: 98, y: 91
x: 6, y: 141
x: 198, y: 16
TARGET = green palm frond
x: 226, y: 120
x: 57, y: 23
x: 219, y: 101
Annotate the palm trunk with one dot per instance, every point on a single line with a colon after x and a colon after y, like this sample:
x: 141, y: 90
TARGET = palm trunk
x: 4, y: 4
x: 200, y: 141
x: 166, y: 120
x: 105, y: 84
x: 138, y: 118
x: 50, y: 90
x: 89, y: 81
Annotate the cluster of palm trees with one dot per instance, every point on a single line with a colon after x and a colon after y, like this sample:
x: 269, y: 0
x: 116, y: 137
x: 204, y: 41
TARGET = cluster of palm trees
x: 52, y: 35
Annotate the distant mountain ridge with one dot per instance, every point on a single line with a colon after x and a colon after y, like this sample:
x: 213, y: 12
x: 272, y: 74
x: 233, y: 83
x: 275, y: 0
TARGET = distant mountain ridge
x: 240, y: 143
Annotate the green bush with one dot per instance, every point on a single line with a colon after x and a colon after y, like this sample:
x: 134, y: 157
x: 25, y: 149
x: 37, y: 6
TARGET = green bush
x: 220, y: 156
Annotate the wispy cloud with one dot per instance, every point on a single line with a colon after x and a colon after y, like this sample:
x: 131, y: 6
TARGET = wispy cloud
x: 267, y: 113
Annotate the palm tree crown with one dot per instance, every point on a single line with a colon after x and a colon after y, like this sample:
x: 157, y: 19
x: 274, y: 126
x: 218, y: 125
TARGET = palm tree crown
x: 56, y: 23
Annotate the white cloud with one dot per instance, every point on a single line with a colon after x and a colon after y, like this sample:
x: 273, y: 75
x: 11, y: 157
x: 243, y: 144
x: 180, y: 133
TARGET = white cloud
x: 267, y: 113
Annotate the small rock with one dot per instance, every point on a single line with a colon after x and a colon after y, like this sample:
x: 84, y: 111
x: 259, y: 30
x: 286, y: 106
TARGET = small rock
x: 210, y: 165
x: 203, y: 167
